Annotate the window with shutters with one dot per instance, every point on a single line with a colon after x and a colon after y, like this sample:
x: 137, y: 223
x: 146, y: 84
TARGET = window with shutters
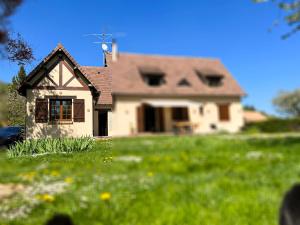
x: 224, y: 112
x: 60, y: 110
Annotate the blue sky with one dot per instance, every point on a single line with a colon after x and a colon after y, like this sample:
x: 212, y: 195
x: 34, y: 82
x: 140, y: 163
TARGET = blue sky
x: 235, y: 31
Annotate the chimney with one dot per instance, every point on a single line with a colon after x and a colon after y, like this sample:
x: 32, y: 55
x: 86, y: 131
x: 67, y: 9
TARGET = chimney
x: 114, y: 50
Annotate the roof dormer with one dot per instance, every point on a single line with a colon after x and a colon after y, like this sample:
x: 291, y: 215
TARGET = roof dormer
x: 210, y: 77
x: 152, y: 76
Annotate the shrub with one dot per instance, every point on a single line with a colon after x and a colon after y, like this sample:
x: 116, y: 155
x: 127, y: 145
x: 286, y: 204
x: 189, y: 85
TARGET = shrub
x: 275, y: 126
x: 50, y: 146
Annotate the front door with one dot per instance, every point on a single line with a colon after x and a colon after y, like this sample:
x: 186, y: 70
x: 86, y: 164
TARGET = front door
x: 102, y: 118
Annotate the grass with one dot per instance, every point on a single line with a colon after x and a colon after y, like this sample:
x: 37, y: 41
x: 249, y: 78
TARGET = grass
x: 158, y: 180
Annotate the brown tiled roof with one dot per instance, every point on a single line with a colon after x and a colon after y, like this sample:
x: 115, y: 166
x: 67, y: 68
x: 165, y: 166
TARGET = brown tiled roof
x: 100, y: 77
x: 124, y: 76
x: 127, y: 79
x: 254, y: 116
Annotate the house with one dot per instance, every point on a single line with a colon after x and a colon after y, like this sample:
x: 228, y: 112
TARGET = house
x: 62, y: 100
x: 131, y: 94
x: 254, y: 116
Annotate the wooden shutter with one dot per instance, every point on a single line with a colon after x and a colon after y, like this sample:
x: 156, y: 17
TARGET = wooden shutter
x: 78, y: 110
x: 224, y: 112
x: 140, y: 118
x: 41, y: 110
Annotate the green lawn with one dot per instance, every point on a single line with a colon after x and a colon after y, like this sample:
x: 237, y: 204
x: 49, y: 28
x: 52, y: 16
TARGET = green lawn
x: 158, y: 180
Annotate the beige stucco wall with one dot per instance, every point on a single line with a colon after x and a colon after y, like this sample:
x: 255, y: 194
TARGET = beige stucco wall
x: 43, y: 130
x: 124, y: 114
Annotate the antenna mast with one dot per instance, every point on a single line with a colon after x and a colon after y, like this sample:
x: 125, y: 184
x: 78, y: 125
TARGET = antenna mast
x: 105, y: 41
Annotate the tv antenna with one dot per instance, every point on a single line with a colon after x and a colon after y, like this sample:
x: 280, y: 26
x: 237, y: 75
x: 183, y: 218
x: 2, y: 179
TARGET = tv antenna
x: 105, y: 40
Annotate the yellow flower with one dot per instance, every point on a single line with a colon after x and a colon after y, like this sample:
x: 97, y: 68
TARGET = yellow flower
x: 69, y: 180
x: 150, y: 174
x: 105, y: 196
x: 54, y: 173
x: 46, y: 197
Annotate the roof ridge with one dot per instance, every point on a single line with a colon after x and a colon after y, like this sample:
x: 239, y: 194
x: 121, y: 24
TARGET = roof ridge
x: 168, y: 56
x: 94, y: 66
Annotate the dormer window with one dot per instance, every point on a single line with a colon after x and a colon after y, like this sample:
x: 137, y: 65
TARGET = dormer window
x: 210, y: 77
x: 152, y: 76
x: 153, y: 79
x: 214, y: 80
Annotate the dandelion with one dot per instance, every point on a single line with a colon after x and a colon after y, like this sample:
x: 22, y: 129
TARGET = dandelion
x: 46, y: 198
x: 150, y: 174
x: 69, y: 180
x: 105, y: 196
x: 54, y: 173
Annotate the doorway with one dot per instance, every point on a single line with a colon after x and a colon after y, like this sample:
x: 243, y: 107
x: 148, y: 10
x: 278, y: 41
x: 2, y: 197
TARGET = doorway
x: 103, y: 121
x: 152, y: 119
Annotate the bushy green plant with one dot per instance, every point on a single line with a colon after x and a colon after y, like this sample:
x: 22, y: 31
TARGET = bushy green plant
x: 275, y: 126
x: 48, y: 146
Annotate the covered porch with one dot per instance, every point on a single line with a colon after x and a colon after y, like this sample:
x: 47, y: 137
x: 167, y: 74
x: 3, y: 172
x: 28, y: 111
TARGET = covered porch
x: 166, y: 116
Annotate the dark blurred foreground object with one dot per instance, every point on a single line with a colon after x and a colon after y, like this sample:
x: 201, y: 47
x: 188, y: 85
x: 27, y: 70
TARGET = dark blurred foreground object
x: 9, y: 135
x: 290, y: 208
x: 60, y: 219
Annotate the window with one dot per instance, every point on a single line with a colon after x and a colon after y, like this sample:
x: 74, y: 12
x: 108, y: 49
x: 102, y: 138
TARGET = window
x: 180, y: 114
x: 60, y: 110
x: 224, y: 112
x: 214, y: 81
x: 210, y: 77
x: 152, y: 75
x: 201, y: 110
x: 154, y: 79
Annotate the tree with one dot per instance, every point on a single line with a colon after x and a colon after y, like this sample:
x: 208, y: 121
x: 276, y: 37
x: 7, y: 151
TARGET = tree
x: 291, y: 8
x: 249, y: 108
x: 12, y: 48
x: 288, y: 103
x: 16, y: 103
x: 3, y: 105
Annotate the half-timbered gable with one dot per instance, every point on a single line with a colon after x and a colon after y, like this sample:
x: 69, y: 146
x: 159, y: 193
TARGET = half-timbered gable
x: 60, y: 99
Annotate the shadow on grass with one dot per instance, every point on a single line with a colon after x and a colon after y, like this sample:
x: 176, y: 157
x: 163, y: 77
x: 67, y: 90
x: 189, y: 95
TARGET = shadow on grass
x: 60, y: 219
